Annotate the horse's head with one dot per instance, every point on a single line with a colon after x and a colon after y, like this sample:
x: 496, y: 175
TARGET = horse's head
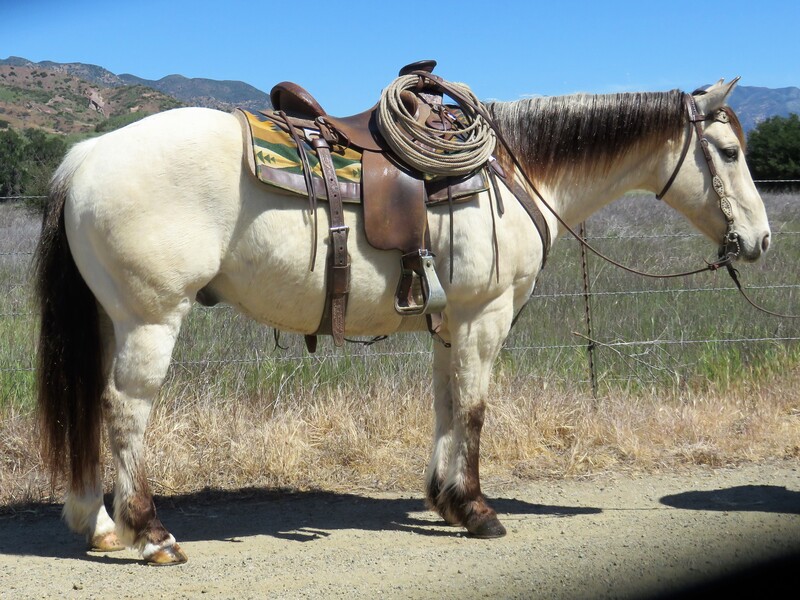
x: 709, y: 182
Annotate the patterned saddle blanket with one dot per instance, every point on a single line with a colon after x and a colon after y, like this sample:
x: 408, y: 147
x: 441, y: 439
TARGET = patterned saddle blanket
x: 274, y: 159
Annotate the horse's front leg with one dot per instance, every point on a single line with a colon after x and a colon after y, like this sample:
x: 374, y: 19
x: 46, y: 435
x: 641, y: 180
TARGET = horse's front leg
x: 443, y: 429
x: 476, y: 340
x: 140, y: 365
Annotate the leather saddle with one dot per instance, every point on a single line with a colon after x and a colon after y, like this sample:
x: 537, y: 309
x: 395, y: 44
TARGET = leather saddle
x: 394, y: 196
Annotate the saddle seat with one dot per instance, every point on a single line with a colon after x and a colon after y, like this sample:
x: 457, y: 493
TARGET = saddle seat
x: 359, y: 130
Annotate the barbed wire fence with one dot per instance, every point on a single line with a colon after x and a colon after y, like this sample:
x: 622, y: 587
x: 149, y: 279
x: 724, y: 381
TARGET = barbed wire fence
x: 585, y: 330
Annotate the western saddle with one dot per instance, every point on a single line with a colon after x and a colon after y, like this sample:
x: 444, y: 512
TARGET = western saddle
x: 394, y: 196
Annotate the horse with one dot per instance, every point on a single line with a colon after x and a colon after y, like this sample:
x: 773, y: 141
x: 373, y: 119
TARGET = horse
x: 144, y: 220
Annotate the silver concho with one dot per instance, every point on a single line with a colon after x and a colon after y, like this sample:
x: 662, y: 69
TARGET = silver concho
x: 719, y: 187
x: 725, y: 207
x: 722, y: 117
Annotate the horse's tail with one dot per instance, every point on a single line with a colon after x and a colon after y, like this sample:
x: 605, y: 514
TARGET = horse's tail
x: 69, y: 355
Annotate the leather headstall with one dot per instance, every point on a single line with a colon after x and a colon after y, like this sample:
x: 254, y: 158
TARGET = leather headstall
x: 729, y: 248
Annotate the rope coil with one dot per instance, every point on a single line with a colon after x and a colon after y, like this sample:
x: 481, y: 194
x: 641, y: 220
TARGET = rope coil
x: 430, y: 149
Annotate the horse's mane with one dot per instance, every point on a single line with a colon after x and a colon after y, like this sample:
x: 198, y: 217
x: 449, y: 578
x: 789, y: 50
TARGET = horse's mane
x: 586, y: 133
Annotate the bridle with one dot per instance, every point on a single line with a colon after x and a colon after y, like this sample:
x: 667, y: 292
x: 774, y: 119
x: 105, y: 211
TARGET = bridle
x: 729, y: 248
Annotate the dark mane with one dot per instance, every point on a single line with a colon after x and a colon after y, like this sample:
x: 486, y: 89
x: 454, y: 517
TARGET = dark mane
x: 585, y: 133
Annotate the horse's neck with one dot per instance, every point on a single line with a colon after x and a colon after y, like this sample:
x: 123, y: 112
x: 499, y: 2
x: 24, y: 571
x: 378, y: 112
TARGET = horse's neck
x: 577, y: 196
x: 585, y: 151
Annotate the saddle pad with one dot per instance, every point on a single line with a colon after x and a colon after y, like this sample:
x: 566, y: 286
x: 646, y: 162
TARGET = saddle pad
x: 274, y: 160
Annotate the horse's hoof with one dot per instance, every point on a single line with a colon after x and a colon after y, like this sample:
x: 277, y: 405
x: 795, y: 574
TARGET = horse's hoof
x: 106, y: 542
x: 170, y: 555
x: 487, y: 529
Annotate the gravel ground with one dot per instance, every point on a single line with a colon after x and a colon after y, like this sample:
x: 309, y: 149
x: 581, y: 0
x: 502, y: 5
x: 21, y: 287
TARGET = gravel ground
x: 611, y: 536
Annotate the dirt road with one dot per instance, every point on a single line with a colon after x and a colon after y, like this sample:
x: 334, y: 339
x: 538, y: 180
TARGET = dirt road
x: 611, y: 536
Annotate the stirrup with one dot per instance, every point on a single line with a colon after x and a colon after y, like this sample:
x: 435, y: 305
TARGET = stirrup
x: 419, y: 264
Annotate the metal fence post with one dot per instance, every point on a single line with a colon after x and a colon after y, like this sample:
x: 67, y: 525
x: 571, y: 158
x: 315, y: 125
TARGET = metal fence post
x: 588, y: 310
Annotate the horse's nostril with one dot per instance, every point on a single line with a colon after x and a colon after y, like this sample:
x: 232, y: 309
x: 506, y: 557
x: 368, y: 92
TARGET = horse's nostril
x: 765, y: 243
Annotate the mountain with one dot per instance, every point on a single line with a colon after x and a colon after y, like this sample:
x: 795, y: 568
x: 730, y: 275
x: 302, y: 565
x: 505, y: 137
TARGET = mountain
x: 61, y: 96
x: 224, y: 95
x: 57, y: 101
x: 81, y: 98
x: 755, y: 104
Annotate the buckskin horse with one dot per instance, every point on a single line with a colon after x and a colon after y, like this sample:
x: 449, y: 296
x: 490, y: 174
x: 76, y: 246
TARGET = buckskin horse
x: 145, y: 220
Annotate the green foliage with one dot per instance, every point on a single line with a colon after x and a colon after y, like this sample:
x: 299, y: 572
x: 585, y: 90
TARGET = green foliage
x: 773, y: 148
x: 118, y: 121
x: 11, y: 162
x: 28, y: 160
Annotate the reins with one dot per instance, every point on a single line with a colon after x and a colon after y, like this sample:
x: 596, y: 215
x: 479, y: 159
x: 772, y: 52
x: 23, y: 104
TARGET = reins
x: 735, y: 276
x: 481, y: 110
x: 730, y: 247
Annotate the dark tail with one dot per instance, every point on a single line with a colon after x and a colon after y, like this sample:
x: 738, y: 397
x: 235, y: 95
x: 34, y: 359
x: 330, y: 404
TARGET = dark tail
x: 69, y: 356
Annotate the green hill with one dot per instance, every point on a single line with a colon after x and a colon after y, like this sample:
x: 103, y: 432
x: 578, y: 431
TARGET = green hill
x: 57, y: 101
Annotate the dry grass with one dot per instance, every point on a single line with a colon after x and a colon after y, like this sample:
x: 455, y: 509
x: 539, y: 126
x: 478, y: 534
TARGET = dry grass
x: 344, y: 440
x: 235, y: 414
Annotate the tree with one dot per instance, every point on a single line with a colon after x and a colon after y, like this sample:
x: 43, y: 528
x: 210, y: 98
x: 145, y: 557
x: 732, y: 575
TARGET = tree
x: 773, y: 148
x: 43, y: 153
x: 12, y: 154
x: 27, y: 161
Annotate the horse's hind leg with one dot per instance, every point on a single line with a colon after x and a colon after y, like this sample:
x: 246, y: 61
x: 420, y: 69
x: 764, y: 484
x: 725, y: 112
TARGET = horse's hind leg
x: 84, y: 510
x: 142, y: 356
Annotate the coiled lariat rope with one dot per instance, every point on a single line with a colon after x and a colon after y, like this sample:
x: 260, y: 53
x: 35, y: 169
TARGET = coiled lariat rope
x: 430, y: 149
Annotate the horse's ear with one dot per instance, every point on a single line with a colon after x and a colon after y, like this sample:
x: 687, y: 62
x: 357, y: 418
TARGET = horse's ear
x: 715, y: 97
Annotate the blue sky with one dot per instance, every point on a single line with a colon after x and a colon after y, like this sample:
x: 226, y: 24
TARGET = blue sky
x: 346, y: 52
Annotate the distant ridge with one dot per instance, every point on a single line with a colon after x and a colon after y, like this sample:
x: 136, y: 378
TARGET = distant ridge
x: 223, y: 95
x: 752, y: 104
x: 213, y: 93
x: 755, y: 104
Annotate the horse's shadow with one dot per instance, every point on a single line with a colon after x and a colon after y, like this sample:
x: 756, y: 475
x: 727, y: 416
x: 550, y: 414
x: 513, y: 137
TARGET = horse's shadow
x: 228, y: 515
x: 759, y: 498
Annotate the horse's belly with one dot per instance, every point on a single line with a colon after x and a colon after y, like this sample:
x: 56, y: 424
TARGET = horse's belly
x: 299, y: 308
x: 268, y: 276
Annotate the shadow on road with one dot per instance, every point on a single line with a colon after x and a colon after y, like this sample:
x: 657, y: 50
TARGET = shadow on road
x: 35, y: 529
x: 760, y: 498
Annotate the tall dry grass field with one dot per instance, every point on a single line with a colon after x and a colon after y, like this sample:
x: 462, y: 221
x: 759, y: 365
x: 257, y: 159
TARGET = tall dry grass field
x: 686, y: 374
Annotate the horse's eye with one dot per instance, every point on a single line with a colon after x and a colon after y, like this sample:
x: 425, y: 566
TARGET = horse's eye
x: 731, y: 153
